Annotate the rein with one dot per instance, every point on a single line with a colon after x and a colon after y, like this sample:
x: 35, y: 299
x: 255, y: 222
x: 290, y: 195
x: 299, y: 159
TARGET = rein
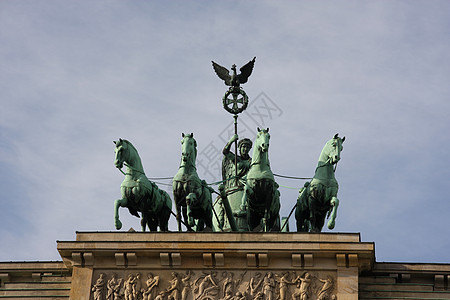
x: 184, y: 166
x: 259, y: 162
x: 127, y: 165
x: 132, y: 168
x: 256, y: 163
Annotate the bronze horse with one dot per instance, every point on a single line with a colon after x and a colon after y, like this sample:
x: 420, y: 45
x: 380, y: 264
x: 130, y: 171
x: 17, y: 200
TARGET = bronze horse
x: 318, y: 198
x: 261, y: 193
x: 191, y: 195
x: 138, y: 193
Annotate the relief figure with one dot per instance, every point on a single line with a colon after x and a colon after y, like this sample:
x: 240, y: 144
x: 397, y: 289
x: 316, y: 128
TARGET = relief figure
x: 173, y: 290
x: 99, y: 288
x: 269, y: 287
x: 206, y: 286
x: 137, y: 287
x: 129, y: 283
x: 303, y: 287
x: 254, y: 284
x: 113, y: 288
x: 152, y: 282
x: 284, y: 285
x: 327, y: 288
x: 186, y: 284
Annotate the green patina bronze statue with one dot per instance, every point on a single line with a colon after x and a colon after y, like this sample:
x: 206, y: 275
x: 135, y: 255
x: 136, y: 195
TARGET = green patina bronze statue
x: 234, y: 80
x: 138, y: 193
x: 243, y: 161
x: 261, y: 198
x: 235, y: 105
x: 249, y: 197
x: 191, y: 195
x: 318, y: 198
x: 227, y: 205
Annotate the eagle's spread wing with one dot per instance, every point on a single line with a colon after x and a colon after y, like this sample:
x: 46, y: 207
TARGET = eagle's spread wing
x: 246, y: 71
x: 223, y: 73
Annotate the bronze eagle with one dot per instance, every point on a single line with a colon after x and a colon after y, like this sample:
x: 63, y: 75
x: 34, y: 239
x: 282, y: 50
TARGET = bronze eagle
x: 234, y: 80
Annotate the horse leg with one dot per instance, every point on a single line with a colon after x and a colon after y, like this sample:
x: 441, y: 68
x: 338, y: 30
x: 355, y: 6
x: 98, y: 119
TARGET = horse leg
x: 314, y: 215
x: 152, y: 225
x: 185, y: 216
x: 273, y: 222
x: 164, y: 219
x: 300, y: 212
x: 272, y: 214
x: 178, y: 216
x: 208, y: 219
x: 144, y: 221
x: 320, y: 221
x: 298, y: 218
x: 244, y: 202
x: 207, y: 207
x: 301, y: 219
x: 334, y: 204
x: 252, y: 220
x: 200, y: 225
x: 177, y: 192
x: 119, y: 203
x: 317, y: 216
x: 190, y: 219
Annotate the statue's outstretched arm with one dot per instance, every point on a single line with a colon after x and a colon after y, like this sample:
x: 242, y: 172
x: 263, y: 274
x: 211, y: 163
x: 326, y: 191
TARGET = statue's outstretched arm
x: 227, y: 147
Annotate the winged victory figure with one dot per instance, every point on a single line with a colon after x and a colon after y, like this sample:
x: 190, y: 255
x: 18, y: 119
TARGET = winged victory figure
x: 234, y: 80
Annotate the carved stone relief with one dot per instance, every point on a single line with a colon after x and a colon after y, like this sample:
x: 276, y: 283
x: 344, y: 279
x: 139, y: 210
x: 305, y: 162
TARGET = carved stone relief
x: 215, y: 285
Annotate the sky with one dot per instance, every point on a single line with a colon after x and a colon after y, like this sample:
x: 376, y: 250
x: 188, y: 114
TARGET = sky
x: 77, y: 75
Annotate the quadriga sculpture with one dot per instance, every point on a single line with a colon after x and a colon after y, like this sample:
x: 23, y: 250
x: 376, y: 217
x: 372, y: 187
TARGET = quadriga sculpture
x: 191, y: 195
x: 319, y: 197
x: 261, y: 197
x: 138, y: 193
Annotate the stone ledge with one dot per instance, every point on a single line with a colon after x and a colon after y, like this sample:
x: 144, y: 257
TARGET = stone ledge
x: 411, y: 267
x: 219, y: 250
x: 218, y: 236
x: 32, y: 266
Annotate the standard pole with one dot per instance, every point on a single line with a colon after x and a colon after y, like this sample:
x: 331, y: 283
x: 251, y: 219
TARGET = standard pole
x: 235, y: 151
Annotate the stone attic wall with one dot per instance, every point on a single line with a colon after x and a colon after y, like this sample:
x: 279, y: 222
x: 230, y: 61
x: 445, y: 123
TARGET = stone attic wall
x: 210, y: 266
x: 230, y: 266
x: 405, y: 281
x: 34, y: 280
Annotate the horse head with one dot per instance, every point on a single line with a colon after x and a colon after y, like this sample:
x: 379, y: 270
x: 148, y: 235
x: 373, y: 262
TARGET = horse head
x: 198, y: 208
x: 262, y: 140
x: 188, y: 149
x: 192, y: 200
x: 334, y: 148
x: 121, y: 151
x: 126, y: 154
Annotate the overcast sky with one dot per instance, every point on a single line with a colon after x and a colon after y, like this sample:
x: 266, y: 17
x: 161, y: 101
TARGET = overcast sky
x: 76, y: 75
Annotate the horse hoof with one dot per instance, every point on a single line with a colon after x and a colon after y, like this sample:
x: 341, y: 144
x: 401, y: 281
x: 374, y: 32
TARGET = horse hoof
x: 118, y: 225
x: 331, y: 225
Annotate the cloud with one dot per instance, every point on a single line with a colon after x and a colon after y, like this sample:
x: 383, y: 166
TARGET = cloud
x: 76, y: 77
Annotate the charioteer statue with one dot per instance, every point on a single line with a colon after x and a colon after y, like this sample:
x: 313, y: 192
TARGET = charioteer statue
x: 243, y: 162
